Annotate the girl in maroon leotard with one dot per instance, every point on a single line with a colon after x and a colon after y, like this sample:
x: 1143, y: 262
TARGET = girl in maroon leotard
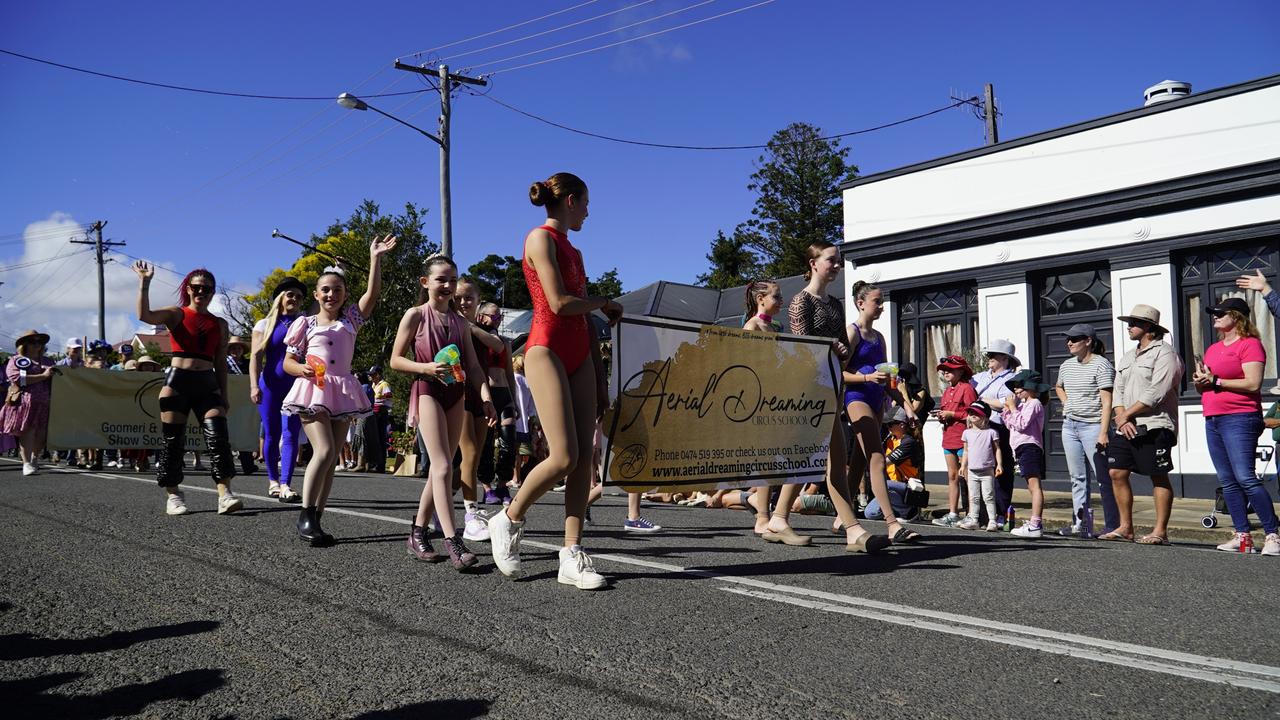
x: 564, y: 370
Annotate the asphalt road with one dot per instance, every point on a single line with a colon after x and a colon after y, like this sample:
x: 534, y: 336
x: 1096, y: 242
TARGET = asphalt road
x: 108, y: 607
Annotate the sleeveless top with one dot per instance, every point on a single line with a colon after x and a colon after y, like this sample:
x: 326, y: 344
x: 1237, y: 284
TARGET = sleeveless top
x: 567, y: 336
x: 433, y: 334
x: 197, y: 336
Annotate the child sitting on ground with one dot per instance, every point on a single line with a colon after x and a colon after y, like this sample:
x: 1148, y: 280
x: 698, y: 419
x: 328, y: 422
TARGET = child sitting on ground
x: 983, y: 464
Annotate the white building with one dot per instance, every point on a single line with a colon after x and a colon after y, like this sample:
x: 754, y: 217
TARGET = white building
x: 1165, y: 205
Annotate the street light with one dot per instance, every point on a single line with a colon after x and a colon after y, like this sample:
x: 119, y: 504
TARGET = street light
x: 351, y: 102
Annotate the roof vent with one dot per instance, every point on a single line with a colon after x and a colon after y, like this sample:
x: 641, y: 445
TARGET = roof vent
x: 1166, y: 91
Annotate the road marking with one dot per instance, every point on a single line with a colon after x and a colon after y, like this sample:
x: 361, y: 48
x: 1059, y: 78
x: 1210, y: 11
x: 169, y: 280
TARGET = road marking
x: 1170, y: 662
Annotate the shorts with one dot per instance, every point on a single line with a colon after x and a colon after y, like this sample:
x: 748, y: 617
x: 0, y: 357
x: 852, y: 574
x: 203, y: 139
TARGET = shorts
x: 958, y: 452
x: 1148, y: 453
x: 1030, y: 458
x: 195, y: 390
x: 525, y: 442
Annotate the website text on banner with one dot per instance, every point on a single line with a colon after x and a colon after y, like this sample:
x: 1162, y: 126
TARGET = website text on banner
x: 110, y: 409
x: 708, y: 407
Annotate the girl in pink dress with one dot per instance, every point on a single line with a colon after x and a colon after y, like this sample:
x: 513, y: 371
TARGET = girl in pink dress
x: 326, y: 395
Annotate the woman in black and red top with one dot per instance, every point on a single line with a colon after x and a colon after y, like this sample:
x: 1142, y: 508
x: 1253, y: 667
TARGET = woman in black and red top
x: 195, y: 382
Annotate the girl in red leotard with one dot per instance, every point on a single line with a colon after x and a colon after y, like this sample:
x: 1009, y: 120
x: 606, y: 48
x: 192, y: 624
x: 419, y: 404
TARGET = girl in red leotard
x: 564, y: 370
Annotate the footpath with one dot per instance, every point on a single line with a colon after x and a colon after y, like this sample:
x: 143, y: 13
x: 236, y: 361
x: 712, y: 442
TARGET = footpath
x: 1184, y: 524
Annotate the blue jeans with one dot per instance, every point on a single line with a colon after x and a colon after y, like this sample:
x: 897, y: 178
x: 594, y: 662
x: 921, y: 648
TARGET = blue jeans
x: 1086, y: 465
x: 897, y: 498
x: 1232, y: 441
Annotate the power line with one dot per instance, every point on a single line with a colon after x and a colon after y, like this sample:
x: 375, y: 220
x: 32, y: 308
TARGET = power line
x: 420, y: 53
x: 601, y: 34
x: 629, y: 40
x: 33, y: 263
x: 184, y: 88
x: 669, y: 146
x: 174, y: 272
x: 556, y: 29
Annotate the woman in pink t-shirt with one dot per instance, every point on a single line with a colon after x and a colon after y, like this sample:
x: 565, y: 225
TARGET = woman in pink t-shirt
x: 1230, y: 384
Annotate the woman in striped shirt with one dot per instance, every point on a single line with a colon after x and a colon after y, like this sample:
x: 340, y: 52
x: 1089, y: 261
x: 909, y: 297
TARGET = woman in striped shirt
x: 1084, y: 388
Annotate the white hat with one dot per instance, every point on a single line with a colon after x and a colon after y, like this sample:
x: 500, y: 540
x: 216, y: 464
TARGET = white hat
x: 1004, y: 347
x: 74, y: 343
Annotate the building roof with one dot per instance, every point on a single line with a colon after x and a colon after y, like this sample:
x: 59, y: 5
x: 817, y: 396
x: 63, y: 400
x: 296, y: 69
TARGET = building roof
x: 1193, y: 99
x: 693, y: 303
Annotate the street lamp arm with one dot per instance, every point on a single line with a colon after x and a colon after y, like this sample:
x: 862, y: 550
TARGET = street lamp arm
x: 434, y: 139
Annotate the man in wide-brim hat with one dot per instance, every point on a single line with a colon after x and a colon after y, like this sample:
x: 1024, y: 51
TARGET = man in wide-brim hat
x: 1145, y: 429
x: 30, y: 337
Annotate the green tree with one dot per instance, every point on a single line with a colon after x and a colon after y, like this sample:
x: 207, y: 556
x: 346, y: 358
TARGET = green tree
x: 731, y: 259
x: 501, y: 279
x: 607, y: 285
x: 797, y: 185
x: 350, y: 239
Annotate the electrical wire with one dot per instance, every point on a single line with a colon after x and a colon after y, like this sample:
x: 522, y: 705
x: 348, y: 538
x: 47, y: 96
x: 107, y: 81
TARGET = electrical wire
x: 59, y: 231
x: 420, y: 53
x: 33, y: 263
x: 184, y: 88
x: 601, y: 34
x: 176, y: 273
x: 628, y: 40
x: 556, y: 29
x: 670, y: 146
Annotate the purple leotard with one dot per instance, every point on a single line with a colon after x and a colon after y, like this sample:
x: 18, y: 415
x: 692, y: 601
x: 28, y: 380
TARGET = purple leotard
x: 280, y: 434
x: 866, y: 356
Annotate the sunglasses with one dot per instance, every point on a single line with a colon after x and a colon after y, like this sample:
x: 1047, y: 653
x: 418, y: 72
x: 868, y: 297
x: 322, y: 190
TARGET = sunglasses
x: 1218, y: 313
x: 1077, y: 338
x: 200, y: 289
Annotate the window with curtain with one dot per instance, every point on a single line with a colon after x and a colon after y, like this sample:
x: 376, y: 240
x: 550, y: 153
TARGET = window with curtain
x: 933, y: 323
x: 1207, y: 277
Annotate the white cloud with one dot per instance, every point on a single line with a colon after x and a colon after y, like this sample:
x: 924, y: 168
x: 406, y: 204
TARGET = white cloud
x: 54, y: 287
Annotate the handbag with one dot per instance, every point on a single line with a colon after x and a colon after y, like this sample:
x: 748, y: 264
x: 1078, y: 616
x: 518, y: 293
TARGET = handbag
x: 14, y: 395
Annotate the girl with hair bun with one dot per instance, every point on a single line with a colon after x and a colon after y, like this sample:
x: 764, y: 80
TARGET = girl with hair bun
x: 565, y: 374
x: 325, y: 393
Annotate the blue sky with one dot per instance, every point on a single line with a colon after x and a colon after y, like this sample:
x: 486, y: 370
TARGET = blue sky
x: 191, y: 179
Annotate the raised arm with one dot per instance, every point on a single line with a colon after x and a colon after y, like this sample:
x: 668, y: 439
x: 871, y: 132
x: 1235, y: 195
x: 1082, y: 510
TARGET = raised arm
x: 539, y: 251
x: 168, y: 316
x: 377, y: 248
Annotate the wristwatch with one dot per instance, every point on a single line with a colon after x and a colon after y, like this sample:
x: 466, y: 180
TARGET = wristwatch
x: 1216, y: 384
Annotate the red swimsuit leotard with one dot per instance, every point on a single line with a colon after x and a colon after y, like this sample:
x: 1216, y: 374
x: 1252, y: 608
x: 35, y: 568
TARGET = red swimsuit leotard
x: 565, y: 335
x: 197, y: 336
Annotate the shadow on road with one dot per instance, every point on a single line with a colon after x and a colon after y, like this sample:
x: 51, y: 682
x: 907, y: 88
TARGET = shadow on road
x: 24, y: 645
x: 30, y: 696
x: 454, y: 709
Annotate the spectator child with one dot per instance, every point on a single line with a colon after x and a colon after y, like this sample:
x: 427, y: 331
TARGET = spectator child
x: 952, y: 410
x: 982, y: 459
x: 1026, y: 435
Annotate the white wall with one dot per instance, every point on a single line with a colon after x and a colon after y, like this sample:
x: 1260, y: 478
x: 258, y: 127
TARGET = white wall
x: 1148, y: 285
x: 1006, y: 312
x: 1218, y: 134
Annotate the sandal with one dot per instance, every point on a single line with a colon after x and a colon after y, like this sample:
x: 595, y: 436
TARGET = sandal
x: 1153, y: 540
x: 1114, y: 536
x: 906, y: 536
x: 868, y: 543
x: 786, y: 537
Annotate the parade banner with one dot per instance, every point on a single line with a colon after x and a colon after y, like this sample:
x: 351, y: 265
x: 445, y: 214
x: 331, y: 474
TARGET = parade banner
x: 121, y: 409
x: 703, y: 407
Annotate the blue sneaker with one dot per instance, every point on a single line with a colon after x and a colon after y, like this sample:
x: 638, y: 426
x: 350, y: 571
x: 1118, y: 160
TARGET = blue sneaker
x: 491, y: 498
x: 640, y: 525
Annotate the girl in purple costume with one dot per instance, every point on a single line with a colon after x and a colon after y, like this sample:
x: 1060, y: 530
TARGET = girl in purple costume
x: 269, y: 383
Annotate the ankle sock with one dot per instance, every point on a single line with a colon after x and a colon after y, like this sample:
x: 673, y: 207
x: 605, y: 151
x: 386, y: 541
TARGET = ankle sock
x: 469, y: 506
x: 1036, y: 522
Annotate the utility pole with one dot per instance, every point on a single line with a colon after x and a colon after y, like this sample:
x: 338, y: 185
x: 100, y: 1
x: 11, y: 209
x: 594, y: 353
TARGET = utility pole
x: 447, y: 81
x: 989, y: 113
x: 98, y: 244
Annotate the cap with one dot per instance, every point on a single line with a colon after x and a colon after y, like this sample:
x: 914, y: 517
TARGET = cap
x: 1082, y: 330
x: 954, y: 362
x: 1228, y: 304
x: 289, y: 283
x: 980, y: 408
x: 376, y: 369
x: 74, y: 342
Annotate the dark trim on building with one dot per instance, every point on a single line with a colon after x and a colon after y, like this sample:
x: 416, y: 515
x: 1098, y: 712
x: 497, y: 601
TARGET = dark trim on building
x: 1151, y: 252
x: 1125, y: 116
x: 1217, y: 187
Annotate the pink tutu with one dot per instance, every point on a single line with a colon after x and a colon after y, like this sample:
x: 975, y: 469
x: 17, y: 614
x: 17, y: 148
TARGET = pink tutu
x: 342, y: 398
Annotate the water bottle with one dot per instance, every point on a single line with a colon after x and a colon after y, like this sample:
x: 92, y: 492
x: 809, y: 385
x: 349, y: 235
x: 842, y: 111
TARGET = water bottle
x: 1246, y: 543
x: 1086, y: 523
x: 1008, y: 519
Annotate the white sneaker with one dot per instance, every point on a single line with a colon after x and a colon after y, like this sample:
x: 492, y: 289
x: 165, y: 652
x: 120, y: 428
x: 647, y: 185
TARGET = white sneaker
x: 993, y: 526
x: 1027, y: 531
x: 28, y: 469
x: 576, y: 569
x: 273, y: 488
x: 969, y: 523
x: 504, y: 541
x: 229, y: 503
x: 1272, y: 545
x: 475, y: 529
x: 113, y: 464
x: 176, y: 504
x: 1233, y: 545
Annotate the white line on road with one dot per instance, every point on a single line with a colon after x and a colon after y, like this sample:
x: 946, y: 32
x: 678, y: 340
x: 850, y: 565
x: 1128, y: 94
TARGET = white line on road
x: 1171, y: 662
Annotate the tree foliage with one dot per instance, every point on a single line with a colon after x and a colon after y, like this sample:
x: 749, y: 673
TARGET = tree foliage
x: 501, y: 279
x: 732, y: 261
x: 607, y: 285
x: 350, y: 239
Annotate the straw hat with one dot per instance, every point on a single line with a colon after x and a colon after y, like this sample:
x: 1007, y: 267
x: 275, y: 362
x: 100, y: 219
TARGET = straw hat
x: 32, y: 336
x: 146, y: 360
x: 235, y: 341
x: 1144, y: 313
